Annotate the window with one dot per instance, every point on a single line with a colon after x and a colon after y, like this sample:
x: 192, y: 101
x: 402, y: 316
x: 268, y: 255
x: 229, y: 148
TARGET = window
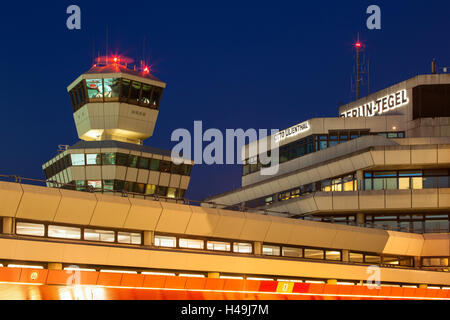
x: 64, y: 232
x: 139, y: 187
x: 30, y: 229
x: 146, y: 94
x: 372, y: 259
x: 111, y: 88
x: 156, y: 97
x: 129, y: 237
x: 150, y: 189
x: 108, y: 185
x: 135, y: 92
x: 96, y: 185
x: 241, y: 247
x: 164, y: 166
x: 171, y: 193
x: 191, y: 243
x: 218, y: 246
x: 154, y: 165
x: 143, y: 163
x: 333, y: 255
x: 94, y: 89
x: 98, y: 235
x: 126, y: 84
x: 121, y: 159
x: 162, y: 191
x: 162, y: 241
x: 132, y: 161
x: 109, y: 158
x: 292, y: 252
x: 80, y: 185
x: 77, y: 159
x: 271, y: 250
x: 94, y: 158
x: 313, y: 253
x: 356, y: 257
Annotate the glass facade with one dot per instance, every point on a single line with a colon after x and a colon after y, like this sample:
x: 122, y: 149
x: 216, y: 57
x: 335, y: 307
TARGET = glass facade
x: 115, y: 89
x: 314, y: 143
x: 338, y: 184
x: 119, y: 159
x: 407, y: 179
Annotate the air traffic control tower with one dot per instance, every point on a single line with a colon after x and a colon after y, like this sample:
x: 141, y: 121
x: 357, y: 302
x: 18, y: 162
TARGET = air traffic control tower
x: 115, y: 109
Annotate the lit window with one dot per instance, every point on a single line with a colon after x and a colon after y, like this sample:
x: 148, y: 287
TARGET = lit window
x: 94, y: 88
x: 64, y: 232
x: 109, y: 158
x: 171, y: 193
x: 161, y: 241
x: 241, y: 247
x: 356, y: 257
x: 191, y: 243
x: 108, y: 185
x: 94, y: 158
x: 111, y: 88
x: 150, y: 189
x: 372, y: 259
x: 333, y: 255
x: 271, y: 250
x: 77, y: 159
x: 313, y: 254
x: 30, y: 229
x: 129, y: 237
x: 218, y: 246
x: 95, y: 184
x: 99, y: 235
x: 292, y: 252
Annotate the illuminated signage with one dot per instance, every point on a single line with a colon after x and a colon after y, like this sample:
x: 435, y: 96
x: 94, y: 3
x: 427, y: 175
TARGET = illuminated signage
x: 292, y: 131
x: 379, y: 106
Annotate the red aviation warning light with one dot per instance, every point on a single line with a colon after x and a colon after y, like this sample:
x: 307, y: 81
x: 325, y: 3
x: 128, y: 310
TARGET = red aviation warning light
x: 358, y: 44
x: 146, y: 69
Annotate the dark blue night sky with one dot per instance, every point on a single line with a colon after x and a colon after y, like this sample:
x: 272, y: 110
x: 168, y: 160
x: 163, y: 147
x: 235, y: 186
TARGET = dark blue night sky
x: 230, y: 64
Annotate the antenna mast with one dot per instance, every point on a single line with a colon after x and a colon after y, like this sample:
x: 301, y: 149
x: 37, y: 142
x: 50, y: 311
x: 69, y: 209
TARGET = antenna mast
x: 361, y: 70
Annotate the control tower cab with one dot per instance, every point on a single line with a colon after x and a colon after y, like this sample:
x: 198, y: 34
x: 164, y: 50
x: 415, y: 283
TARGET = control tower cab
x: 113, y: 102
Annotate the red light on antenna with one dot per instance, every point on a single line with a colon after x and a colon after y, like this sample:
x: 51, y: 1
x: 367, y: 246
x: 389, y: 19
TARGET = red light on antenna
x: 116, y: 59
x: 146, y: 70
x: 358, y: 44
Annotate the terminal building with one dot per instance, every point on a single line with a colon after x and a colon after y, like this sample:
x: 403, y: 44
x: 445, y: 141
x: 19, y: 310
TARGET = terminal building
x: 365, y: 191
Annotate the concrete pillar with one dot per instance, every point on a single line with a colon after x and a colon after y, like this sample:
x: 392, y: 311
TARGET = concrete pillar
x: 360, y: 218
x: 360, y: 180
x: 331, y: 281
x: 8, y: 225
x: 149, y: 238
x: 257, y: 248
x: 345, y: 256
x: 214, y: 275
x: 423, y: 286
x: 54, y: 266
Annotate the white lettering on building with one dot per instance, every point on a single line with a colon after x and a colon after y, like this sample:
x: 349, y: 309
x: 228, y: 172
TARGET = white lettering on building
x: 379, y: 106
x: 292, y: 131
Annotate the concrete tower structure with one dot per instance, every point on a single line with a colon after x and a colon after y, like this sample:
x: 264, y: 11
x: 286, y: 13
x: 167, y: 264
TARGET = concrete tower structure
x: 115, y: 109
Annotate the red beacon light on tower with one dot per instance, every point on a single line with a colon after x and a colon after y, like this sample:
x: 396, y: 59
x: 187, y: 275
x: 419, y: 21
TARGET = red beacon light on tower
x: 146, y: 69
x: 358, y: 45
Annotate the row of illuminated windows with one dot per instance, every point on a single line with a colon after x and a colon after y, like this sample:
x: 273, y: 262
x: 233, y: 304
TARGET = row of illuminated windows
x: 407, y: 179
x: 115, y: 89
x: 116, y: 158
x: 119, y: 185
x: 201, y: 244
x: 435, y: 262
x: 312, y: 144
x: 167, y: 241
x: 343, y: 183
x: 335, y: 255
x: 77, y: 233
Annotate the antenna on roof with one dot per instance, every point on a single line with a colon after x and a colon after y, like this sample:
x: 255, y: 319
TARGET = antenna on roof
x: 106, y: 44
x: 362, y: 71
